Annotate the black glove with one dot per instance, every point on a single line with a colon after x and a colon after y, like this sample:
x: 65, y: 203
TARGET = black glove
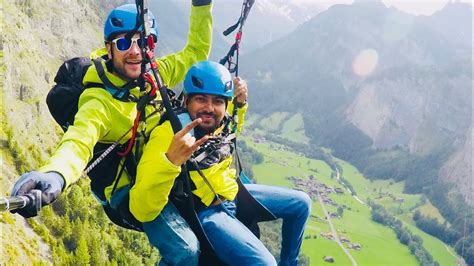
x: 51, y: 184
x: 201, y: 2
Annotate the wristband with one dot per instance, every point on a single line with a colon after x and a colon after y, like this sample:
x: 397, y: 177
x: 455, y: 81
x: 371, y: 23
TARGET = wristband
x: 201, y: 2
x: 240, y: 105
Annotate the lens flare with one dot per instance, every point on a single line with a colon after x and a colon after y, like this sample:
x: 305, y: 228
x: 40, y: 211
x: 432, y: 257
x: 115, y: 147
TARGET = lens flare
x: 365, y: 62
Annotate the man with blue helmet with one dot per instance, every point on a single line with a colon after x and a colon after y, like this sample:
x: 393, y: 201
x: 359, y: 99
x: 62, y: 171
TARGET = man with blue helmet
x: 208, y: 89
x: 104, y: 118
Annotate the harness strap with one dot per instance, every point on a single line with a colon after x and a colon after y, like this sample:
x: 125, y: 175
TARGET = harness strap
x: 123, y: 93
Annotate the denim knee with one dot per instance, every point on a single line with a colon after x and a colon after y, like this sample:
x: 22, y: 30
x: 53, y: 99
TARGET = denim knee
x: 304, y: 204
x: 267, y: 259
x: 188, y: 256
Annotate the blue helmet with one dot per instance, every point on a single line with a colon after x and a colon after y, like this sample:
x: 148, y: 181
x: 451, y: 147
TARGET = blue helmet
x: 123, y: 18
x: 207, y: 77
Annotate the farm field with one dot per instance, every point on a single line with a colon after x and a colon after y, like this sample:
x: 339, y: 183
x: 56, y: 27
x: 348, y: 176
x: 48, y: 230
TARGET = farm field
x: 403, y: 211
x: 280, y: 163
x: 380, y: 245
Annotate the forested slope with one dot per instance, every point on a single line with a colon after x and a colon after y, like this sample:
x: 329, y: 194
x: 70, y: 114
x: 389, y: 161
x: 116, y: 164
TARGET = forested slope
x: 36, y: 37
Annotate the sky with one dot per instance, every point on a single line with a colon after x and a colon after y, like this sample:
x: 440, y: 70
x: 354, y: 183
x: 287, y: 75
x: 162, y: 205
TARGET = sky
x: 416, y: 7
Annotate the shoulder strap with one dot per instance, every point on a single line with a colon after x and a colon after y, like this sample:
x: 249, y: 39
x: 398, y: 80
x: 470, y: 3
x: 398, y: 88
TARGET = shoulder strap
x: 123, y: 93
x: 185, y: 119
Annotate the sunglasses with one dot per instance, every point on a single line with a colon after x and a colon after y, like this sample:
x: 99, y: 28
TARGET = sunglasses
x: 123, y: 44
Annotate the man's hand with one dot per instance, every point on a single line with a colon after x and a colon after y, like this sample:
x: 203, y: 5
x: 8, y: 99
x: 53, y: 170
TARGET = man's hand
x: 51, y: 184
x: 183, y: 144
x: 240, y: 90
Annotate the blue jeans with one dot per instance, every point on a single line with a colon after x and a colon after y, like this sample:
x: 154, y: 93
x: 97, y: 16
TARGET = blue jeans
x: 179, y: 246
x: 293, y: 207
x: 173, y: 237
x: 233, y: 242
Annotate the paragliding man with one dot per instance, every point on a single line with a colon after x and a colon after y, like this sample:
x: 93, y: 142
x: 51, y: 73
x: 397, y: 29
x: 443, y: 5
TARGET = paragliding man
x: 208, y: 89
x: 103, y: 115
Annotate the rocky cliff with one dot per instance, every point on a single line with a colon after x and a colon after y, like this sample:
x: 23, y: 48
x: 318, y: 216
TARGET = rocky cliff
x: 36, y: 37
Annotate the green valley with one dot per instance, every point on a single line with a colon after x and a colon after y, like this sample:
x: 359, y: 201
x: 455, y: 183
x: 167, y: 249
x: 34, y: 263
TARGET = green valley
x: 378, y: 244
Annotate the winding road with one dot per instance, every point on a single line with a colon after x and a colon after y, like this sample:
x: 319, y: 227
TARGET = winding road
x: 354, y: 196
x: 334, y: 233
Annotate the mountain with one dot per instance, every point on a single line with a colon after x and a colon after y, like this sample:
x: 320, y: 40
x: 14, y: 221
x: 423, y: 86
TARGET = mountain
x: 454, y: 22
x: 268, y: 20
x: 173, y: 28
x: 366, y: 76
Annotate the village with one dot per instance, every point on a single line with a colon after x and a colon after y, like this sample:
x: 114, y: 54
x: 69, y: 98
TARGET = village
x: 316, y: 189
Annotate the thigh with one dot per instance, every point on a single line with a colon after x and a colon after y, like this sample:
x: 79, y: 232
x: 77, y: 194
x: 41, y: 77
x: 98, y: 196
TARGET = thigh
x: 233, y: 242
x: 173, y: 237
x: 282, y: 202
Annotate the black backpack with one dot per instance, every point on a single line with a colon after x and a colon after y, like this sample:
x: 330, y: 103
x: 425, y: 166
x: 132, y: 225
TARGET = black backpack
x: 62, y: 101
x: 63, y: 98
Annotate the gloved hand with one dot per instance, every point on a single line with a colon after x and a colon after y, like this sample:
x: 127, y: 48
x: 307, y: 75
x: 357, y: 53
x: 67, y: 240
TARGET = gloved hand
x: 51, y: 184
x: 201, y: 2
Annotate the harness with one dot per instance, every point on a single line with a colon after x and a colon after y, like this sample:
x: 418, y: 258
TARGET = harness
x: 210, y: 153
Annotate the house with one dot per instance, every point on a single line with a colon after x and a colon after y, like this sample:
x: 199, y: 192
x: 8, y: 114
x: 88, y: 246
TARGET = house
x: 345, y: 240
x: 401, y: 200
x: 328, y: 259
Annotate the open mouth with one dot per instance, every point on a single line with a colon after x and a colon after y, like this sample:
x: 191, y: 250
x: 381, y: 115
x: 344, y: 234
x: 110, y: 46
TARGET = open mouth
x: 133, y: 62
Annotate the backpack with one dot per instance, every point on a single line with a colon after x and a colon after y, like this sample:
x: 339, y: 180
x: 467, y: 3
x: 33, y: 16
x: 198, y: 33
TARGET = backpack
x: 62, y: 101
x: 63, y: 98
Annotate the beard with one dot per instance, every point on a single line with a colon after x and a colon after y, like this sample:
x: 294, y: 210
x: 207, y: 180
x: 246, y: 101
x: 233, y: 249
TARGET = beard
x: 202, y: 129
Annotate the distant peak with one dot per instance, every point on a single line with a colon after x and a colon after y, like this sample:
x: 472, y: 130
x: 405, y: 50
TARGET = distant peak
x: 368, y: 1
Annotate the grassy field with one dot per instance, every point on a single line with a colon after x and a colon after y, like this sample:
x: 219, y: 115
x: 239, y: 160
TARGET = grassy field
x: 293, y: 129
x: 273, y: 122
x: 429, y: 210
x: 379, y: 244
x: 377, y: 190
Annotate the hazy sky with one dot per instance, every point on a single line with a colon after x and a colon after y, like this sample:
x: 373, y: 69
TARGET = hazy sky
x: 416, y: 7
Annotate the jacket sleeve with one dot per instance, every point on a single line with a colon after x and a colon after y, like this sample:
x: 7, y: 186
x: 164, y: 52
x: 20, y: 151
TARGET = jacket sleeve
x: 76, y: 147
x: 240, y: 115
x: 155, y: 176
x: 174, y: 67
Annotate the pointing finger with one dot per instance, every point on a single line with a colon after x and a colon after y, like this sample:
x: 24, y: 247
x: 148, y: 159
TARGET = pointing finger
x: 189, y: 127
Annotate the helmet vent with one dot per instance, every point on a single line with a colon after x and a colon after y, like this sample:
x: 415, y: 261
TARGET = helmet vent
x: 228, y: 86
x: 117, y: 22
x: 197, y: 82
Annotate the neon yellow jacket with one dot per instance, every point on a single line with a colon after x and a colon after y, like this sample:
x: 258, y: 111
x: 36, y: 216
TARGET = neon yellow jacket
x: 101, y: 118
x: 156, y: 175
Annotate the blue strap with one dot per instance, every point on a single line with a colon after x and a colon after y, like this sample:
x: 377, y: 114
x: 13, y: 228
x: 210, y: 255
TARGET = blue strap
x: 185, y: 119
x: 118, y: 196
x: 244, y: 178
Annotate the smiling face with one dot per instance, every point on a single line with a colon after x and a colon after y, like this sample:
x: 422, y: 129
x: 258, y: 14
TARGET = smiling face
x: 210, y: 108
x: 126, y: 63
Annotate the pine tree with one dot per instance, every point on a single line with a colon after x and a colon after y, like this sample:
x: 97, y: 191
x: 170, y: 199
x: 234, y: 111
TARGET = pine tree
x: 82, y: 252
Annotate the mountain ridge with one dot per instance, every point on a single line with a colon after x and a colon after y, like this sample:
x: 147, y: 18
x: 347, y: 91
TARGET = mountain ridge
x: 416, y: 64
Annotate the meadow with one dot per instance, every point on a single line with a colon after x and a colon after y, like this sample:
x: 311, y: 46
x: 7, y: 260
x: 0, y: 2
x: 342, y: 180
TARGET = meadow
x: 379, y: 243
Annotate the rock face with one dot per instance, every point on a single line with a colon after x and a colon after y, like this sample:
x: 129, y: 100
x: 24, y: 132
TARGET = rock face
x: 416, y: 108
x: 458, y: 170
x: 36, y: 37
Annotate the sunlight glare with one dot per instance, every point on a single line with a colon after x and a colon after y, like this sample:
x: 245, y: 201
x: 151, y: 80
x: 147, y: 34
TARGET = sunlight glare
x: 365, y: 62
